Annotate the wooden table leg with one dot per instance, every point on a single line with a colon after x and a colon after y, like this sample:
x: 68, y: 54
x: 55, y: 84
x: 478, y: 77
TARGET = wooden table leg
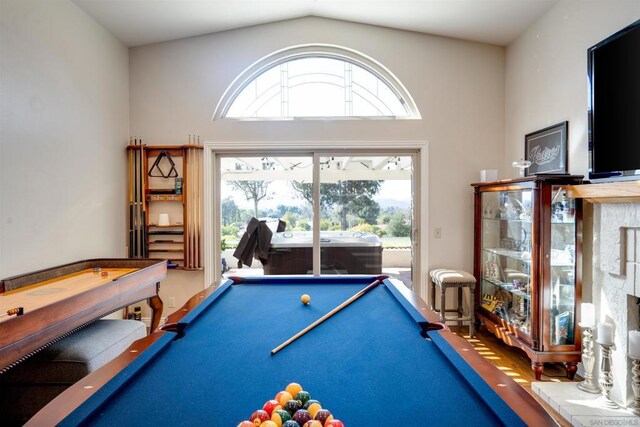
x: 156, y: 309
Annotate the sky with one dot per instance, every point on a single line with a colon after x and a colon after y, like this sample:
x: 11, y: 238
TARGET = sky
x: 282, y: 194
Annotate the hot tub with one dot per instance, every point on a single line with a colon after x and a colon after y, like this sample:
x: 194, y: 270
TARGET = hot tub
x: 342, y: 252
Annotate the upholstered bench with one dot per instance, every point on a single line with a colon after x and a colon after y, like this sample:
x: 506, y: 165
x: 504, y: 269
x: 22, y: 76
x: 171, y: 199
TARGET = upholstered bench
x: 445, y: 278
x: 30, y: 385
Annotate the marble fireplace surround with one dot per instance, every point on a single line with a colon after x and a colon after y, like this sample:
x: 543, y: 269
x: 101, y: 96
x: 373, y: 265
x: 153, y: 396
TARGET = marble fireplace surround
x: 611, y: 266
x: 611, y: 280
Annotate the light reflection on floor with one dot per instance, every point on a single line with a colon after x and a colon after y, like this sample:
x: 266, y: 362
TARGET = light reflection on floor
x: 498, y: 361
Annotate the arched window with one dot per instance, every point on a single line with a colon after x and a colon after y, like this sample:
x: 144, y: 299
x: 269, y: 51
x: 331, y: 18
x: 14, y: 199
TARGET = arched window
x: 318, y: 81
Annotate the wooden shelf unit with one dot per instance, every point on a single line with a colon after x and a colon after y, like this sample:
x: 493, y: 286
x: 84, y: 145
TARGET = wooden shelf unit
x: 183, y: 207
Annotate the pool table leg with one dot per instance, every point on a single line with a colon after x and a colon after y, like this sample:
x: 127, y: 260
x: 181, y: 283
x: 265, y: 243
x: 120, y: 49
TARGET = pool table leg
x: 537, y: 367
x: 156, y: 309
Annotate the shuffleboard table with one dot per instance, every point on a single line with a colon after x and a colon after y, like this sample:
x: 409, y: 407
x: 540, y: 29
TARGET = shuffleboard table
x: 381, y: 361
x: 57, y: 301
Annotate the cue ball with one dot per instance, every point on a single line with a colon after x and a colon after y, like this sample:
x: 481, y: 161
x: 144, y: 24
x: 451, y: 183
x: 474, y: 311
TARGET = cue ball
x: 306, y: 299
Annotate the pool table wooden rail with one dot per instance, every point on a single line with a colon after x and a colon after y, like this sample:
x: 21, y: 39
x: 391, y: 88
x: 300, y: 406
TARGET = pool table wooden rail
x: 22, y: 336
x: 520, y: 401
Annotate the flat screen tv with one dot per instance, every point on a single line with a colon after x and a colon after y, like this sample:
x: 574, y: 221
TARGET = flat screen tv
x: 614, y: 106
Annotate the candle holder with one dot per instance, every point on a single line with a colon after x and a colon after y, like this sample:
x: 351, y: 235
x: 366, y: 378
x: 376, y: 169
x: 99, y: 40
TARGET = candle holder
x: 635, y: 385
x: 588, y: 362
x: 606, y: 378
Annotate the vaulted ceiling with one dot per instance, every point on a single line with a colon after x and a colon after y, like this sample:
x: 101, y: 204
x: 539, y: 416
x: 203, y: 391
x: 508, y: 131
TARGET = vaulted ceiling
x: 140, y: 22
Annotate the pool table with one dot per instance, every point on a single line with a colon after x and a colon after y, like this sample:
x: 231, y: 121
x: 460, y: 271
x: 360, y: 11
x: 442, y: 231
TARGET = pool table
x: 381, y: 361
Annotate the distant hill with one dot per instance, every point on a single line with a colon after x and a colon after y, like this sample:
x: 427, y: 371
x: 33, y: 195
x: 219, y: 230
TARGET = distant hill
x: 387, y: 203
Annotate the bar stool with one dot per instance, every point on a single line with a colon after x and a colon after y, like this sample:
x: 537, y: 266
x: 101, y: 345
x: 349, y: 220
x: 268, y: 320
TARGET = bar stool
x: 449, y: 278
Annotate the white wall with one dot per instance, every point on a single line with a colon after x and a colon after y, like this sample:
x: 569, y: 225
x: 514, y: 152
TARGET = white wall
x: 64, y: 125
x: 546, y: 76
x: 458, y: 87
x: 546, y: 83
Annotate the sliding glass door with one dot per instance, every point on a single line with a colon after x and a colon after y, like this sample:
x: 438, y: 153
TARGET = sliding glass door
x: 355, y: 217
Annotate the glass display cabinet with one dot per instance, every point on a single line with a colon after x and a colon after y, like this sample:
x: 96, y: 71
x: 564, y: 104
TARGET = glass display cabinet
x: 527, y: 264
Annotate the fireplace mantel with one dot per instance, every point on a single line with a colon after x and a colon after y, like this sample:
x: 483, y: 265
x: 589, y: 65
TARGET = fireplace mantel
x: 606, y: 192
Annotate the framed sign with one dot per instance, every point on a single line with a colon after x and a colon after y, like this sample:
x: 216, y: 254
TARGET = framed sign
x: 546, y: 149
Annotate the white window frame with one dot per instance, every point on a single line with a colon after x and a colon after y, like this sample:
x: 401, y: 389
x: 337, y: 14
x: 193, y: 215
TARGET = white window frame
x: 315, y: 50
x: 212, y: 202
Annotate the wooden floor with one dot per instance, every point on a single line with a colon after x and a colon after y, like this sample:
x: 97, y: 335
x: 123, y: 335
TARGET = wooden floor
x: 515, y: 363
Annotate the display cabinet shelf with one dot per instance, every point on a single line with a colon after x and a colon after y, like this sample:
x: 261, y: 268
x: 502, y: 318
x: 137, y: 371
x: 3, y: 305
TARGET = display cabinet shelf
x: 527, y: 253
x: 520, y: 256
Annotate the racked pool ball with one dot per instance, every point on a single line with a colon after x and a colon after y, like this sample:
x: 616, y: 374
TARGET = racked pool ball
x: 313, y: 406
x: 309, y: 402
x: 301, y: 416
x: 334, y: 423
x: 292, y: 406
x: 258, y: 417
x: 245, y: 424
x: 280, y: 416
x: 283, y: 397
x: 313, y: 423
x: 323, y: 415
x: 271, y: 405
x: 293, y: 389
x: 268, y: 423
x: 306, y: 299
x: 291, y: 423
x: 303, y: 397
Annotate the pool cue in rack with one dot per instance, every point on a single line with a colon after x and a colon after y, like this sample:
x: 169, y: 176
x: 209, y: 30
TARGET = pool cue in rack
x: 186, y: 188
x: 197, y: 206
x: 130, y: 190
x: 137, y: 214
x: 192, y: 190
x: 143, y: 203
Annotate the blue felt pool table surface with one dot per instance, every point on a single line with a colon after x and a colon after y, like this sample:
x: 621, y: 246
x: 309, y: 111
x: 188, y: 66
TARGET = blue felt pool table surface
x: 370, y: 364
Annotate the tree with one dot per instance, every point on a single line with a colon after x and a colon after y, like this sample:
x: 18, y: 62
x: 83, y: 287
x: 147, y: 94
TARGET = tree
x: 399, y: 226
x: 230, y: 212
x: 253, y: 190
x: 366, y: 208
x: 349, y: 197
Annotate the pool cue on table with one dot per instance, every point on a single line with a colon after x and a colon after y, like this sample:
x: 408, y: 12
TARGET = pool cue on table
x: 17, y: 311
x: 326, y: 316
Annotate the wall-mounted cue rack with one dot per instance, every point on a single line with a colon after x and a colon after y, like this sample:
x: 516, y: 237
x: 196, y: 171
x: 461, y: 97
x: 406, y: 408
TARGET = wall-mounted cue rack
x: 165, y: 193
